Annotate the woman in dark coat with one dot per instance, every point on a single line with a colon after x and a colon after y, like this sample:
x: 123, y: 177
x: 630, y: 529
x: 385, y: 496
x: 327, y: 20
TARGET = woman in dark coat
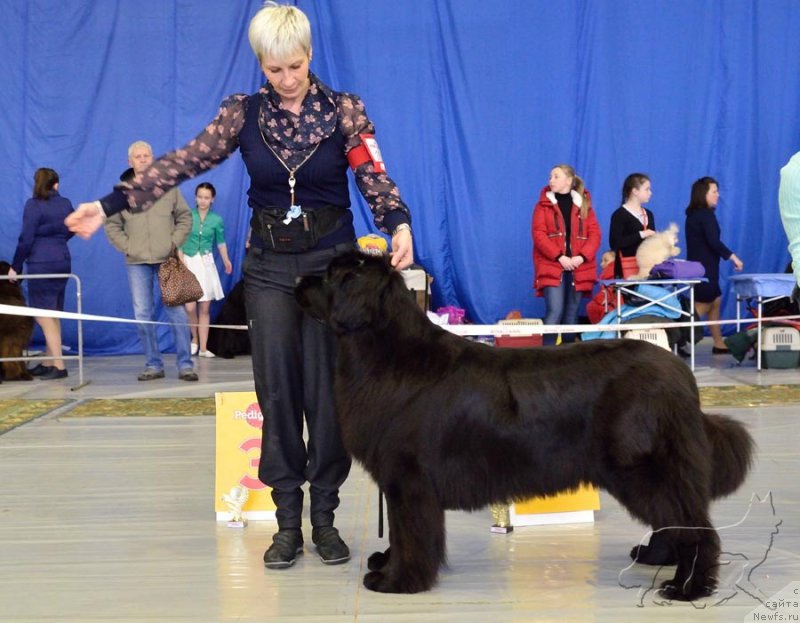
x: 43, y: 248
x: 703, y: 245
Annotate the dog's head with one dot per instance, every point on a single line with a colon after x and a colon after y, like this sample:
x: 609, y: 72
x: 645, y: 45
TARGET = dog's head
x: 668, y: 241
x: 355, y: 292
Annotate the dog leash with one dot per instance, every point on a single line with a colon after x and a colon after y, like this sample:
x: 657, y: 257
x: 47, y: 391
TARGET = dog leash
x: 380, y: 513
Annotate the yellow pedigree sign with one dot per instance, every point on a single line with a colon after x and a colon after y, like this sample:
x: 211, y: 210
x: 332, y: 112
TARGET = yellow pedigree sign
x: 239, y: 423
x: 566, y: 507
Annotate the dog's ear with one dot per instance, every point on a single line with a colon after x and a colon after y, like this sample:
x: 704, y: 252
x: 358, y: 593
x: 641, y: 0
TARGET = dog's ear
x: 314, y: 298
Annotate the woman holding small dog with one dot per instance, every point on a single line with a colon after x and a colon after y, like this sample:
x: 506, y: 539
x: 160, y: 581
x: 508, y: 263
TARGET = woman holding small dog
x: 42, y: 247
x: 297, y: 137
x: 703, y: 245
x: 566, y: 238
x: 632, y: 222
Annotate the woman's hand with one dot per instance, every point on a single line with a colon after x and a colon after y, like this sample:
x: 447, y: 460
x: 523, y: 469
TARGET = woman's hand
x: 737, y: 263
x: 12, y: 273
x: 647, y: 233
x: 228, y: 266
x: 566, y: 262
x: 402, y: 249
x: 577, y: 260
x: 85, y: 220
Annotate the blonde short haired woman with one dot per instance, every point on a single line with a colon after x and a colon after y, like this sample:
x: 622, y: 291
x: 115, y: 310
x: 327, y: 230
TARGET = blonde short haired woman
x: 297, y: 137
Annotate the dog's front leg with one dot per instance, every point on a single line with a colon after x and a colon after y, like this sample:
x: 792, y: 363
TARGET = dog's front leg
x: 416, y: 539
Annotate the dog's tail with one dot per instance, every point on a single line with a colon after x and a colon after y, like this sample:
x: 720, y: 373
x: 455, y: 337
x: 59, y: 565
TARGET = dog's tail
x: 732, y: 453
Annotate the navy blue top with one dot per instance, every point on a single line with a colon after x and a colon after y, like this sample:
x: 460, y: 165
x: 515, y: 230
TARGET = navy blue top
x: 703, y: 245
x: 44, y: 236
x: 321, y: 181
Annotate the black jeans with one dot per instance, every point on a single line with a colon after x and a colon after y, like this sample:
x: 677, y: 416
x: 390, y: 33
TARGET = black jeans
x: 293, y: 363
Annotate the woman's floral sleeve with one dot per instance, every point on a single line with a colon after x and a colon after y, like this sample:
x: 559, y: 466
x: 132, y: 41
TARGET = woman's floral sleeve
x: 213, y: 145
x: 378, y: 189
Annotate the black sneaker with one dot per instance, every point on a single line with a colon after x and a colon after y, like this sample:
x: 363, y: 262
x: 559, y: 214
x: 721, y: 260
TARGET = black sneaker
x: 187, y: 374
x: 54, y: 373
x: 286, y: 545
x: 39, y: 370
x: 330, y: 547
x: 150, y: 374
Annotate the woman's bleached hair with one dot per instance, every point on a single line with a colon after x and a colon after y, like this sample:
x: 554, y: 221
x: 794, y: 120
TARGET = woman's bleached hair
x: 278, y: 31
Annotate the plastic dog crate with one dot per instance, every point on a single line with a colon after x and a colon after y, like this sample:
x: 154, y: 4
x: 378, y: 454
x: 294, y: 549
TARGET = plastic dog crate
x: 654, y: 336
x: 780, y: 347
x: 518, y: 341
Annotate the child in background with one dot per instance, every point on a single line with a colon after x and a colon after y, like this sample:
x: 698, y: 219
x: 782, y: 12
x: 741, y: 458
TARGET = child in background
x: 198, y: 255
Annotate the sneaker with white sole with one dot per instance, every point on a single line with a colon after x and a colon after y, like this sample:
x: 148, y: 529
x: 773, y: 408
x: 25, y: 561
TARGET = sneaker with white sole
x: 331, y: 548
x: 286, y: 545
x: 194, y: 348
x: 207, y: 353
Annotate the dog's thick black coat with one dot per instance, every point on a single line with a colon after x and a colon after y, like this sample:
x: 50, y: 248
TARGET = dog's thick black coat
x: 15, y: 331
x: 444, y: 423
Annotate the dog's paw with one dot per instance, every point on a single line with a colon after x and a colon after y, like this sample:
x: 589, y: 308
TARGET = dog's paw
x: 389, y: 583
x: 378, y: 560
x: 374, y: 581
x: 687, y: 592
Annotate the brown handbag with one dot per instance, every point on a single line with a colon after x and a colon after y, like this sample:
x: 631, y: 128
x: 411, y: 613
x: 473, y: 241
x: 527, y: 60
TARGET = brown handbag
x: 178, y: 283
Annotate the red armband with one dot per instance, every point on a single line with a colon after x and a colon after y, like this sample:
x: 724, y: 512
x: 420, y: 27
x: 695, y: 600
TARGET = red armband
x: 366, y: 151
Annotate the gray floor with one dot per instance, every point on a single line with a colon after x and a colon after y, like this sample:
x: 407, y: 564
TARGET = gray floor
x: 111, y: 519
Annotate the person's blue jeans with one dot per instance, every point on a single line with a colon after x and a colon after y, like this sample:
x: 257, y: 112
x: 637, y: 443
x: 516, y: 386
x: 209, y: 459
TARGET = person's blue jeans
x: 145, y: 291
x: 561, y: 307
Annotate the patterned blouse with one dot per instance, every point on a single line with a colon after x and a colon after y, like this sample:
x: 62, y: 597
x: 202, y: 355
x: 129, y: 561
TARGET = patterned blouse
x: 291, y: 136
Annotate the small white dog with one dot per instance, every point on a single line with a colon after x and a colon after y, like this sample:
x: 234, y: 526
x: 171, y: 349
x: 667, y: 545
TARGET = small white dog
x: 657, y: 248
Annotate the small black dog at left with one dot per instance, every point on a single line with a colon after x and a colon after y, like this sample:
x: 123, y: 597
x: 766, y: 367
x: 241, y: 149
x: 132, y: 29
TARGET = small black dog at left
x: 15, y: 331
x: 444, y: 423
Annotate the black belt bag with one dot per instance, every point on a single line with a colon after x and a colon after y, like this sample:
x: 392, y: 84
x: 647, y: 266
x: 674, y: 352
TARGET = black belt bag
x: 300, y: 233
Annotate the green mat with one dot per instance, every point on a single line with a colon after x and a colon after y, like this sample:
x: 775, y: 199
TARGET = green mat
x: 723, y: 396
x: 749, y: 395
x: 143, y: 407
x: 14, y: 413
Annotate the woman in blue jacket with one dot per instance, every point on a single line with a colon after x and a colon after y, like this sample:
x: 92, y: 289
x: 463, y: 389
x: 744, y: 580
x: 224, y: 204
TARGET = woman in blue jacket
x: 43, y: 248
x: 703, y: 245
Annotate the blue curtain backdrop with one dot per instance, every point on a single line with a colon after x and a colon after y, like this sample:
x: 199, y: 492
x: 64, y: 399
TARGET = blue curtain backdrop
x: 473, y: 101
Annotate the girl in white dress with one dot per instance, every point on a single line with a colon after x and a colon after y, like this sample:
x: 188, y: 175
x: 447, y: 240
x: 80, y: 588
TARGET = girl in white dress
x: 198, y: 254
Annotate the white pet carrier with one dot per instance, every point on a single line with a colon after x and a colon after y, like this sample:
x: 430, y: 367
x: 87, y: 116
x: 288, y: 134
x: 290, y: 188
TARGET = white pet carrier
x: 654, y: 336
x: 780, y: 347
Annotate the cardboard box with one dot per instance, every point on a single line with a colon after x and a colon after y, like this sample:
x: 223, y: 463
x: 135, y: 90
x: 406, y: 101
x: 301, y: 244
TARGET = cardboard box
x: 420, y: 283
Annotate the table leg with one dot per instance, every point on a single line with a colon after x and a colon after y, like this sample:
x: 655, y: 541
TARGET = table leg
x: 691, y: 326
x: 758, y: 337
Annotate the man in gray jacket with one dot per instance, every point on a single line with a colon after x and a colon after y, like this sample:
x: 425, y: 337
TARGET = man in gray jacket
x: 147, y: 239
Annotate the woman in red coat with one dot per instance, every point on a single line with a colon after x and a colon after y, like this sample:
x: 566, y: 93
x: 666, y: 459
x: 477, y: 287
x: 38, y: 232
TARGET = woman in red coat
x: 566, y: 238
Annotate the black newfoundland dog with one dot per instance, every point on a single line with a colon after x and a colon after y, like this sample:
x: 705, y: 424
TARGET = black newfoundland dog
x: 444, y: 423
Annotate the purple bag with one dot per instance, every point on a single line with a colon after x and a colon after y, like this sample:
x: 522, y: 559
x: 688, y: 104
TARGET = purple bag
x: 678, y: 269
x: 455, y: 315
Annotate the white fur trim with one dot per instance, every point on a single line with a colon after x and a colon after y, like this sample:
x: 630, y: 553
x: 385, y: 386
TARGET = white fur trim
x: 577, y: 199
